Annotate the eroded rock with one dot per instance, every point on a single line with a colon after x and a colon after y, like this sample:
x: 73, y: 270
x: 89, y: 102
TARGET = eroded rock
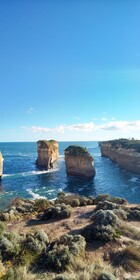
x: 124, y: 152
x: 79, y: 162
x: 47, y: 153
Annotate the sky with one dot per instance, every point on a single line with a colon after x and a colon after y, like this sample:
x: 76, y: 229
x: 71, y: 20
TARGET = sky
x: 69, y: 70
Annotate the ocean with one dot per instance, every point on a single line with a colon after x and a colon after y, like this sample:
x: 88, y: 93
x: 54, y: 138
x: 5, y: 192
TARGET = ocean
x: 22, y: 178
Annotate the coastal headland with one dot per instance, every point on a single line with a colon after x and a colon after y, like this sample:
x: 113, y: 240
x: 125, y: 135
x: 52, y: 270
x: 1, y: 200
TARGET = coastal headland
x: 124, y: 152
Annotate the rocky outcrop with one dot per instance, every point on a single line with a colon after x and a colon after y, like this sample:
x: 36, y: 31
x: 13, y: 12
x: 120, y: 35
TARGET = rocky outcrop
x: 1, y: 165
x: 79, y: 162
x: 47, y: 153
x: 123, y: 152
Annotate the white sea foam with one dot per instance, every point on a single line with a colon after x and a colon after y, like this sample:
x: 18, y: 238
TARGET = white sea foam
x: 34, y: 195
x: 31, y: 173
x: 134, y: 179
x: 50, y: 191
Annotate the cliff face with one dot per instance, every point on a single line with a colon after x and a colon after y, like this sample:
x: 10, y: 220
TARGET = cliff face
x: 1, y: 165
x: 47, y: 153
x: 128, y: 159
x: 79, y: 162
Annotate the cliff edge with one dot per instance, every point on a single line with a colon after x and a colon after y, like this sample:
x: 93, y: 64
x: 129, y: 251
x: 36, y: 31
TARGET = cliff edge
x: 124, y: 152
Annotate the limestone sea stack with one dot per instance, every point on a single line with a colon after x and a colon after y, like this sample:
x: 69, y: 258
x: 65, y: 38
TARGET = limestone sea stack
x: 79, y: 162
x: 1, y: 165
x: 47, y: 153
x: 124, y: 152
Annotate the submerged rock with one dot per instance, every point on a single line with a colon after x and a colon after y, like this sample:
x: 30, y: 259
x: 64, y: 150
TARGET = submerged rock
x: 47, y: 153
x: 1, y: 165
x: 124, y: 152
x: 79, y: 162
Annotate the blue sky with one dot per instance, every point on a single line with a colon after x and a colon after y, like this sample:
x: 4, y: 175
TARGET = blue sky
x: 69, y: 69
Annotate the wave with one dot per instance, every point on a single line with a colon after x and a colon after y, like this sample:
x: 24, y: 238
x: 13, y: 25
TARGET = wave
x: 35, y: 195
x: 134, y: 179
x: 31, y: 173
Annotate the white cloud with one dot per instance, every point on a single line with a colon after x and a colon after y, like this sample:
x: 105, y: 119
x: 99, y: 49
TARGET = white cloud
x: 123, y: 126
x: 104, y: 119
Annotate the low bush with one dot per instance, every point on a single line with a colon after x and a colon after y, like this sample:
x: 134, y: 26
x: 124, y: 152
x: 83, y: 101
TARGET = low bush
x: 74, y: 200
x: 106, y: 276
x: 101, y: 198
x: 107, y: 205
x: 105, y: 218
x: 120, y: 213
x: 118, y: 200
x: 104, y: 227
x: 2, y: 229
x: 36, y: 242
x: 10, y: 246
x: 59, y: 211
x: 65, y: 252
x: 41, y: 204
x: 134, y: 214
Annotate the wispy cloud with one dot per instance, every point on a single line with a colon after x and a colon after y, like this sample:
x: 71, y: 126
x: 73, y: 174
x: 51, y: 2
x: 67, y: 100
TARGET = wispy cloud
x: 77, y: 118
x: 89, y: 127
x: 30, y: 110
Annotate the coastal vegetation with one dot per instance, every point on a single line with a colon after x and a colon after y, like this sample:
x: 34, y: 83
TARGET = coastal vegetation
x: 75, y: 150
x: 71, y: 238
x: 125, y: 144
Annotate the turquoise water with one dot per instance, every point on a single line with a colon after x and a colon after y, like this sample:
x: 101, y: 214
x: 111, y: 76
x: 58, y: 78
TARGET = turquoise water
x: 22, y: 178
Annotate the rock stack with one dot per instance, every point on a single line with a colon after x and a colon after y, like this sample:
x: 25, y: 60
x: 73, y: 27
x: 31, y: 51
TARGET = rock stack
x: 79, y: 162
x: 47, y: 153
x: 1, y: 165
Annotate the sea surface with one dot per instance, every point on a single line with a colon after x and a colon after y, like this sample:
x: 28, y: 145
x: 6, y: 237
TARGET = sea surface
x: 22, y: 178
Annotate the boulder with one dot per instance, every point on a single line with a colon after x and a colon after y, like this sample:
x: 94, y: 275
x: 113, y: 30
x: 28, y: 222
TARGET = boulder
x: 79, y: 162
x: 1, y: 165
x: 47, y: 153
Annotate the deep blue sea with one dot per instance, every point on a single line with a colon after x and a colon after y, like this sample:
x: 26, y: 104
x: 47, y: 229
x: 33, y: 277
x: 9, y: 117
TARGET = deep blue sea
x: 22, y: 178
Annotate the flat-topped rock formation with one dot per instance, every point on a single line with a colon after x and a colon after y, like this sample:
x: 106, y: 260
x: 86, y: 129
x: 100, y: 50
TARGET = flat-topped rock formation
x: 79, y: 162
x: 1, y: 165
x: 47, y: 153
x: 124, y: 152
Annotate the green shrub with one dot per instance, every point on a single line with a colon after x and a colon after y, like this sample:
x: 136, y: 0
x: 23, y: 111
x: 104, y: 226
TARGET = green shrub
x: 41, y: 204
x: 104, y: 227
x: 105, y: 218
x: 59, y: 211
x: 65, y: 252
x: 107, y: 205
x: 107, y: 276
x: 2, y: 229
x: 102, y: 197
x: 118, y: 200
x: 36, y: 242
x: 10, y: 275
x: 120, y: 213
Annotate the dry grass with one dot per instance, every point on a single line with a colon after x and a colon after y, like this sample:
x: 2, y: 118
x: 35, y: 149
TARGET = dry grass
x: 130, y: 231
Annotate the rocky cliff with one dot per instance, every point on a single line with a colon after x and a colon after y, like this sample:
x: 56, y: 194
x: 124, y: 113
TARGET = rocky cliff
x: 47, y: 153
x: 1, y: 165
x: 126, y: 153
x: 79, y: 162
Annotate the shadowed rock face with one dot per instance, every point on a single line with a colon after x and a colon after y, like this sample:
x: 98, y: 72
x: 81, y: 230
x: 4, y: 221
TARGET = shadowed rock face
x: 47, y: 153
x: 126, y: 157
x: 79, y: 162
x: 1, y: 165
